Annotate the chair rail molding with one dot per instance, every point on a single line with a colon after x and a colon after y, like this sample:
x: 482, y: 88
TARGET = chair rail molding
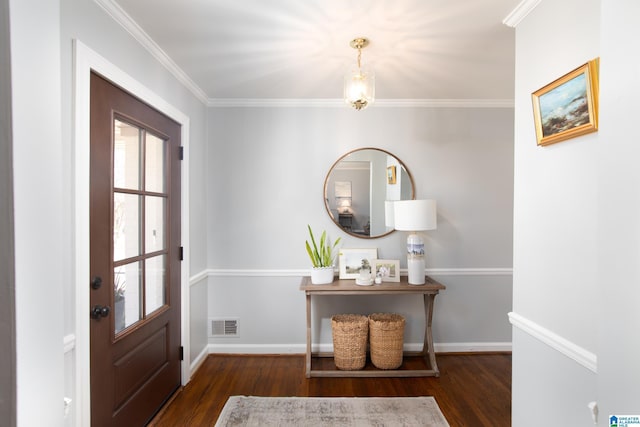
x: 573, y: 351
x: 69, y: 343
x: 220, y: 272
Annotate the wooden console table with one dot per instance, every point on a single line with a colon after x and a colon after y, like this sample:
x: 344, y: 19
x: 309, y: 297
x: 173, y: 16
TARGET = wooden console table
x: 348, y: 287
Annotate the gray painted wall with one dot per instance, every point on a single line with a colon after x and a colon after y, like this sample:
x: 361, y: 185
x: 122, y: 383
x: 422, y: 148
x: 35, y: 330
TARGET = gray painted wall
x: 268, y: 166
x: 619, y: 212
x: 576, y: 223
x: 7, y: 279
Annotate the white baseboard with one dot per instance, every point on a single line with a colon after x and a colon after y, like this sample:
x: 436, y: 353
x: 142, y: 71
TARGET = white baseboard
x: 475, y: 347
x: 257, y: 348
x: 581, y: 355
x: 472, y: 347
x: 197, y: 362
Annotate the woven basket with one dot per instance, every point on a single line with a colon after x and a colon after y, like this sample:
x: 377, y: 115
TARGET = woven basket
x: 386, y: 336
x: 350, y: 333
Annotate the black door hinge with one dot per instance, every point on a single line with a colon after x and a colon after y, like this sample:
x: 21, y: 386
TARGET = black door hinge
x: 181, y: 253
x: 181, y: 152
x: 181, y: 353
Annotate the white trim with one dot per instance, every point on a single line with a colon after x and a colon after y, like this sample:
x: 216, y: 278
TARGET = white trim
x: 121, y: 17
x: 339, y: 103
x: 580, y: 355
x: 471, y: 347
x: 257, y: 348
x: 469, y: 271
x: 69, y: 343
x: 520, y: 12
x: 86, y: 60
x: 197, y: 362
x: 220, y: 272
x: 474, y: 347
x: 194, y: 280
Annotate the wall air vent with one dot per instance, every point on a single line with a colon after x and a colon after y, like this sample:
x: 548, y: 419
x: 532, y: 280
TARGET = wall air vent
x: 223, y: 327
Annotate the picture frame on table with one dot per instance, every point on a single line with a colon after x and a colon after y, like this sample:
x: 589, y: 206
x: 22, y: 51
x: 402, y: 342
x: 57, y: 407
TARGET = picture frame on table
x: 387, y: 269
x: 350, y: 261
x: 567, y: 107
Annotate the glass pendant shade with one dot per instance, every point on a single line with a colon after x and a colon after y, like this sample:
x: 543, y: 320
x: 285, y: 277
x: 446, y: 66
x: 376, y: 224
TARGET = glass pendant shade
x: 359, y: 88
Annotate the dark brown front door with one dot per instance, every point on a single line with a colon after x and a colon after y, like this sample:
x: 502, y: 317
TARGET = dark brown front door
x: 135, y: 257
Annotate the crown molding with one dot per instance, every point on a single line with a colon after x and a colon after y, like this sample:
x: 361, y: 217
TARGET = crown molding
x: 121, y: 17
x: 339, y: 103
x: 520, y: 12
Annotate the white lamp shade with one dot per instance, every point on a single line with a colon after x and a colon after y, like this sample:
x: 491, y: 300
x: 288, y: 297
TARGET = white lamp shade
x: 415, y: 215
x: 388, y: 214
x: 345, y: 203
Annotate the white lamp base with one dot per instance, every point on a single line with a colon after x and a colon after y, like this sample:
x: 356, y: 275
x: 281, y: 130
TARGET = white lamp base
x: 415, y: 269
x: 415, y: 259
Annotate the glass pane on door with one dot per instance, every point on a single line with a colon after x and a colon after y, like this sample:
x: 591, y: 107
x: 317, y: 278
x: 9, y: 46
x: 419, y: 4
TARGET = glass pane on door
x: 154, y: 164
x: 155, y: 283
x: 155, y: 223
x: 126, y: 295
x: 126, y: 156
x: 126, y: 226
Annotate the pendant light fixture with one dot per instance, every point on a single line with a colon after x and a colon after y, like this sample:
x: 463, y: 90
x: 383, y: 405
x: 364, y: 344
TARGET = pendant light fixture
x: 359, y: 84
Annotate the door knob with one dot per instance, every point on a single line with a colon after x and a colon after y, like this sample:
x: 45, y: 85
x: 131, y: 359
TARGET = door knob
x: 96, y: 282
x: 99, y: 311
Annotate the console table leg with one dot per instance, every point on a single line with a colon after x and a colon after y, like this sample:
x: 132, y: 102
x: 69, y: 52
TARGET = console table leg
x: 428, y: 334
x: 308, y: 361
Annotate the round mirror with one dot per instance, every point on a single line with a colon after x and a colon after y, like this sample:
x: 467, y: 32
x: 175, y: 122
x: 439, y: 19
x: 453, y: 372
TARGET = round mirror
x: 357, y: 186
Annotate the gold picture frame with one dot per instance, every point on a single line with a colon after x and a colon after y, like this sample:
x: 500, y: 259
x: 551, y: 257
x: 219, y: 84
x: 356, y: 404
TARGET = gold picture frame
x: 391, y: 175
x: 568, y: 106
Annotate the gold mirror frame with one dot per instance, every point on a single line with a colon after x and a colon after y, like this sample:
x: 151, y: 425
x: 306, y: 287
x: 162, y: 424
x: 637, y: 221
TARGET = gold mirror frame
x: 346, y: 184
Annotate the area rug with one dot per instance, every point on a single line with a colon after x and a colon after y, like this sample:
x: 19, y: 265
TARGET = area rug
x: 250, y: 411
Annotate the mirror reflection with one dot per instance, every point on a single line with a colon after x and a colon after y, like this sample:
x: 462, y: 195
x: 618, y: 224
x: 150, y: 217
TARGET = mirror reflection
x: 357, y: 186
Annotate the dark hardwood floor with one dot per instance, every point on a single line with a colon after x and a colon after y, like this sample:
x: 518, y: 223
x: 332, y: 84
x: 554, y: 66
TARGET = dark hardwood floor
x: 472, y: 390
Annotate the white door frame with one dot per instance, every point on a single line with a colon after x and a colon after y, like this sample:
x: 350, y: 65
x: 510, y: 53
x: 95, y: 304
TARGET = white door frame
x: 87, y: 60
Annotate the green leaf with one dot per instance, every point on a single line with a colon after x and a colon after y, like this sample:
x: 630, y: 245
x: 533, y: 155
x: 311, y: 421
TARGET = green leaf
x: 316, y: 255
x: 313, y: 260
x: 322, y: 255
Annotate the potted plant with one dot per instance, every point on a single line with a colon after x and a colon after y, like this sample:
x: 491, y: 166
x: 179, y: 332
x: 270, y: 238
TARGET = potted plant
x: 322, y: 257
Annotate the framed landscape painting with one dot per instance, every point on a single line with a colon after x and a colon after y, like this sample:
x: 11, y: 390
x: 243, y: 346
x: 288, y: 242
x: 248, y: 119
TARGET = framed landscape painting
x: 568, y: 106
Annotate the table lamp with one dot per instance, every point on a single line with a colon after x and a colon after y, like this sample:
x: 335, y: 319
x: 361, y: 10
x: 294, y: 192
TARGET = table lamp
x: 344, y: 205
x: 414, y: 216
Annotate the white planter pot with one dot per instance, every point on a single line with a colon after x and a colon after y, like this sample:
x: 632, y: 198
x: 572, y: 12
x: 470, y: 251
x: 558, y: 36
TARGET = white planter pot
x: 321, y: 275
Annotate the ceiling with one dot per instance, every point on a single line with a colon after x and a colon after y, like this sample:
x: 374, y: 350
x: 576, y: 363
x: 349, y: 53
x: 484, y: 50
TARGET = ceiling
x: 299, y: 49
